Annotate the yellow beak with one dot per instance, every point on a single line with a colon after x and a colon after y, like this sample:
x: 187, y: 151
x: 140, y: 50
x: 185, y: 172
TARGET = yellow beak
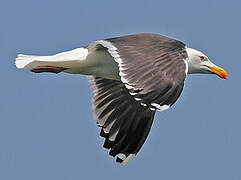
x: 219, y: 71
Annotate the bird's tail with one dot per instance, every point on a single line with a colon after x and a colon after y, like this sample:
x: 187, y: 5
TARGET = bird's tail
x: 55, y: 63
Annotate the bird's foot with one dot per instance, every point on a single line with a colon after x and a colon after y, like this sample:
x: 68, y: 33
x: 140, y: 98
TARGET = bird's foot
x: 52, y: 69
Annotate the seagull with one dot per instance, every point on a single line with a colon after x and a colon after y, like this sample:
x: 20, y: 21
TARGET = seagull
x: 132, y: 77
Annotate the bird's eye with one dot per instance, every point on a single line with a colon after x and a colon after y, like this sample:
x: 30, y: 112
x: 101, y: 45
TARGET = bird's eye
x: 202, y: 57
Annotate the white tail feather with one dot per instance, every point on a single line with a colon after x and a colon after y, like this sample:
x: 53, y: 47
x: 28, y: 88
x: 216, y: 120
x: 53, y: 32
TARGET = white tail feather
x: 66, y: 59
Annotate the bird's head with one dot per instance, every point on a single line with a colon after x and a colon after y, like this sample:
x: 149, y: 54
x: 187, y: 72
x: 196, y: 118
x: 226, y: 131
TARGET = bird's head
x: 199, y: 63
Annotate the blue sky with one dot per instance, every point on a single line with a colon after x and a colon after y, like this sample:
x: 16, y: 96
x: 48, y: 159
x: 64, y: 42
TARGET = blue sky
x: 47, y: 129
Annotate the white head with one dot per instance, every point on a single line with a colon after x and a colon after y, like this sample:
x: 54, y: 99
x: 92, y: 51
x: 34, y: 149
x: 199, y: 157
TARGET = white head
x: 199, y: 63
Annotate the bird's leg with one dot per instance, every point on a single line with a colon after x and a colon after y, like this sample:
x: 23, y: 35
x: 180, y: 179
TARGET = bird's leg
x: 52, y: 69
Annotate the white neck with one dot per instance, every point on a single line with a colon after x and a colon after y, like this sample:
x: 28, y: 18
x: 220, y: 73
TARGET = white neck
x: 193, y: 60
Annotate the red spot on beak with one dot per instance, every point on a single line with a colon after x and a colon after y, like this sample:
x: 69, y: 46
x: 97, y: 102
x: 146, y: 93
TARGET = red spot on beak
x: 224, y: 76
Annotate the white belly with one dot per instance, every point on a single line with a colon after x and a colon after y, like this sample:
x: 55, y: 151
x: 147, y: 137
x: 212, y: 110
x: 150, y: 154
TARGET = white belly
x: 98, y: 63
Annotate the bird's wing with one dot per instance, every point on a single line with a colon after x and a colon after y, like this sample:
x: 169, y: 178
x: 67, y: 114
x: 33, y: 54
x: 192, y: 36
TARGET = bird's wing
x: 152, y: 67
x: 124, y: 123
x: 152, y: 71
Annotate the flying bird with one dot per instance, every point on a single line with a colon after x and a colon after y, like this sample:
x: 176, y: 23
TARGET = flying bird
x: 132, y: 77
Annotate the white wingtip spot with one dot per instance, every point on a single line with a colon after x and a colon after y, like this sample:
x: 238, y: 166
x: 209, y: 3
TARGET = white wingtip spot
x: 105, y: 149
x: 112, y: 138
x: 124, y: 80
x: 122, y: 68
x: 137, y: 99
x: 121, y: 156
x: 143, y: 104
x: 121, y: 73
x: 119, y: 60
x: 160, y: 108
x: 128, y: 159
x: 101, y: 137
x: 128, y: 86
x: 133, y: 94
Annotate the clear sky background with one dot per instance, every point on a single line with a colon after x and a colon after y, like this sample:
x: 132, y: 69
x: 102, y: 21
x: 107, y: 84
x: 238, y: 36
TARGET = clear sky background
x: 47, y: 130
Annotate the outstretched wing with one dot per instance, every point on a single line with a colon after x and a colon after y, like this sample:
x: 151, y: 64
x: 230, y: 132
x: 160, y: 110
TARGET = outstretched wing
x: 152, y: 70
x: 152, y: 67
x: 124, y: 123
